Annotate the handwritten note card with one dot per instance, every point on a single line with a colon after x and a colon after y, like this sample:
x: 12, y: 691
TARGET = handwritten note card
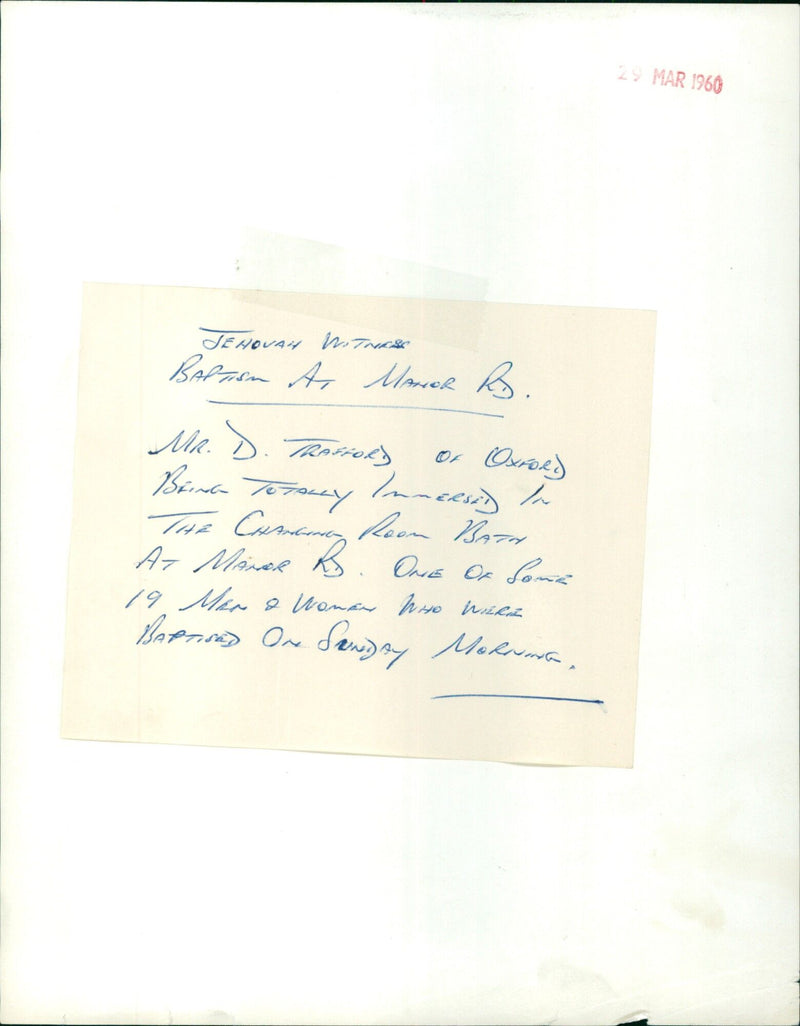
x: 328, y: 523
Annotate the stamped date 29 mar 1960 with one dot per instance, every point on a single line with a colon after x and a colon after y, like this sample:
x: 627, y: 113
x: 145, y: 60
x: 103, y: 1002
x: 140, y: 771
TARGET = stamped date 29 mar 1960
x: 670, y: 77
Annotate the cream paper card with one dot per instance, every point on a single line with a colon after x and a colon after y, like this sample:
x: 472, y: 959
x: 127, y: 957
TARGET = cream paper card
x: 344, y: 524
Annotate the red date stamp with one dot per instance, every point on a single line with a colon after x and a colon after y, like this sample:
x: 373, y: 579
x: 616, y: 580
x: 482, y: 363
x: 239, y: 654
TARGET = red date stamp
x: 671, y: 77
